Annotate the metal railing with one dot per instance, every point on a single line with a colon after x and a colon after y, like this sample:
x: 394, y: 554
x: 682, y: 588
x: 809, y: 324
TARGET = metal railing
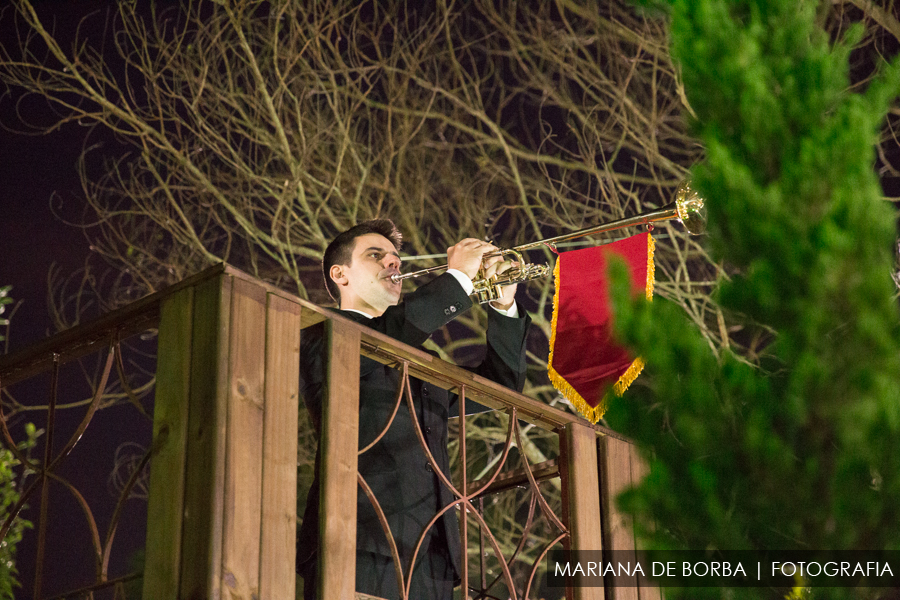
x: 223, y: 483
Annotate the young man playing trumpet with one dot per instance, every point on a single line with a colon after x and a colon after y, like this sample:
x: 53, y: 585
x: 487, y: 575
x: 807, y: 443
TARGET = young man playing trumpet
x: 357, y: 267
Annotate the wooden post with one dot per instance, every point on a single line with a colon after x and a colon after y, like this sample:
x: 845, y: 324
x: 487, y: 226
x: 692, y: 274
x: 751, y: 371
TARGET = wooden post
x: 222, y: 507
x: 170, y: 418
x: 201, y: 573
x: 244, y: 442
x: 277, y: 578
x: 581, y: 501
x: 339, y: 445
x: 639, y: 469
x: 618, y: 533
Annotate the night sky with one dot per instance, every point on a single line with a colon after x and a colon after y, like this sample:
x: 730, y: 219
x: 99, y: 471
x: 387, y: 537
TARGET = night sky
x: 37, y: 178
x: 34, y: 172
x: 34, y: 169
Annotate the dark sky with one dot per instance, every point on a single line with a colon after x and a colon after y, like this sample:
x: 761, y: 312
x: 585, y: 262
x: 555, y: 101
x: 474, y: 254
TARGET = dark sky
x: 35, y: 171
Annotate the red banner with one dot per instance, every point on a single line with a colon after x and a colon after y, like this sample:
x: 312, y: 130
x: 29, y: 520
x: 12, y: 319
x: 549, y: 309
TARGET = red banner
x: 584, y: 359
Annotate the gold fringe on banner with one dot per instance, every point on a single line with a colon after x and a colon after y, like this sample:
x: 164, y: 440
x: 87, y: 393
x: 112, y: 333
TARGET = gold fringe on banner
x: 594, y: 413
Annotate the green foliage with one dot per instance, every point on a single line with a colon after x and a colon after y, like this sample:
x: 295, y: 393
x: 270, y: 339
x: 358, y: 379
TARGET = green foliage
x: 4, y: 300
x: 801, y: 455
x: 9, y: 496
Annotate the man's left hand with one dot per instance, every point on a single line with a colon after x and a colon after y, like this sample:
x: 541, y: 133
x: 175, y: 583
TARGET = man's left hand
x: 493, y: 265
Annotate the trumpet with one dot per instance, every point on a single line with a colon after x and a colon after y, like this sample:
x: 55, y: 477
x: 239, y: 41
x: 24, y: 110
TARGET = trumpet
x: 688, y: 207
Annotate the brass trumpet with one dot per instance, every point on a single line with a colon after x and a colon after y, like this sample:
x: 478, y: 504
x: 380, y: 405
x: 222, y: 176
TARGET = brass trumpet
x: 687, y: 207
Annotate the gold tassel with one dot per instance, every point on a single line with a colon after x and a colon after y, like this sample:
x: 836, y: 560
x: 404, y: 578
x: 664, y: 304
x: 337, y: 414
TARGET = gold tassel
x: 628, y: 376
x: 591, y: 413
x: 553, y: 319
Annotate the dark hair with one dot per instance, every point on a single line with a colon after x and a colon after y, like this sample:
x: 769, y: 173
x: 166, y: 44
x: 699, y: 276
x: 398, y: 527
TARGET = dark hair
x: 340, y: 250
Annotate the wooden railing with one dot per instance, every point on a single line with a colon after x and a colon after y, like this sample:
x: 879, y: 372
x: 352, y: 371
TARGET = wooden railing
x: 223, y: 483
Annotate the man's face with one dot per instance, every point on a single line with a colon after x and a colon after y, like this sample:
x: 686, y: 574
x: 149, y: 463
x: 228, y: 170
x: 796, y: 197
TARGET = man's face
x: 365, y: 284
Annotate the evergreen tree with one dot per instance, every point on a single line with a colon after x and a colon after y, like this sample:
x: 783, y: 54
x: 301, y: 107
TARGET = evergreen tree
x: 801, y: 455
x: 11, y: 484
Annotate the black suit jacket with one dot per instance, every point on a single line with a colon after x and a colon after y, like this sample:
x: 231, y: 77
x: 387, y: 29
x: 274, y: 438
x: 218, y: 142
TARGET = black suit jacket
x: 396, y: 469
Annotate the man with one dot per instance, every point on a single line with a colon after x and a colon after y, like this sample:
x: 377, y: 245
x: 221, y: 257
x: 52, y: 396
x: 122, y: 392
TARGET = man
x: 357, y: 267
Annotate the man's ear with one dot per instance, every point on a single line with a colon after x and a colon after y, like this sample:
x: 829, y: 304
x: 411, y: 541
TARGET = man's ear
x: 336, y: 272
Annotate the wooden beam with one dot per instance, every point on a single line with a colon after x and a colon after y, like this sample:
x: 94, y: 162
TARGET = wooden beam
x: 515, y: 478
x: 92, y: 336
x: 144, y: 314
x: 432, y: 370
x: 277, y: 576
x: 339, y: 445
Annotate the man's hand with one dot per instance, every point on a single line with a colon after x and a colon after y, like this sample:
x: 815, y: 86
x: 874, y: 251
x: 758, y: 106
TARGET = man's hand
x: 496, y: 264
x: 466, y: 255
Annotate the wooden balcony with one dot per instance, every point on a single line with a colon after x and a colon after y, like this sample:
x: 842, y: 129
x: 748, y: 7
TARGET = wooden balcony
x: 223, y: 483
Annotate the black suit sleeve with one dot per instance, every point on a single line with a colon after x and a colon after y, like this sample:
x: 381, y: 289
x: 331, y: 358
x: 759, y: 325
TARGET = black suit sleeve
x: 423, y: 311
x: 505, y: 360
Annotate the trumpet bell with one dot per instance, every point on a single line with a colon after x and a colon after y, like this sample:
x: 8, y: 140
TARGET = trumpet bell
x: 690, y: 208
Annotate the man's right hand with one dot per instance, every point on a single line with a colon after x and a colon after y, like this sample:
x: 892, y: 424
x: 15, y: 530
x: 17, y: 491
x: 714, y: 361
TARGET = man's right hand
x: 466, y: 255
